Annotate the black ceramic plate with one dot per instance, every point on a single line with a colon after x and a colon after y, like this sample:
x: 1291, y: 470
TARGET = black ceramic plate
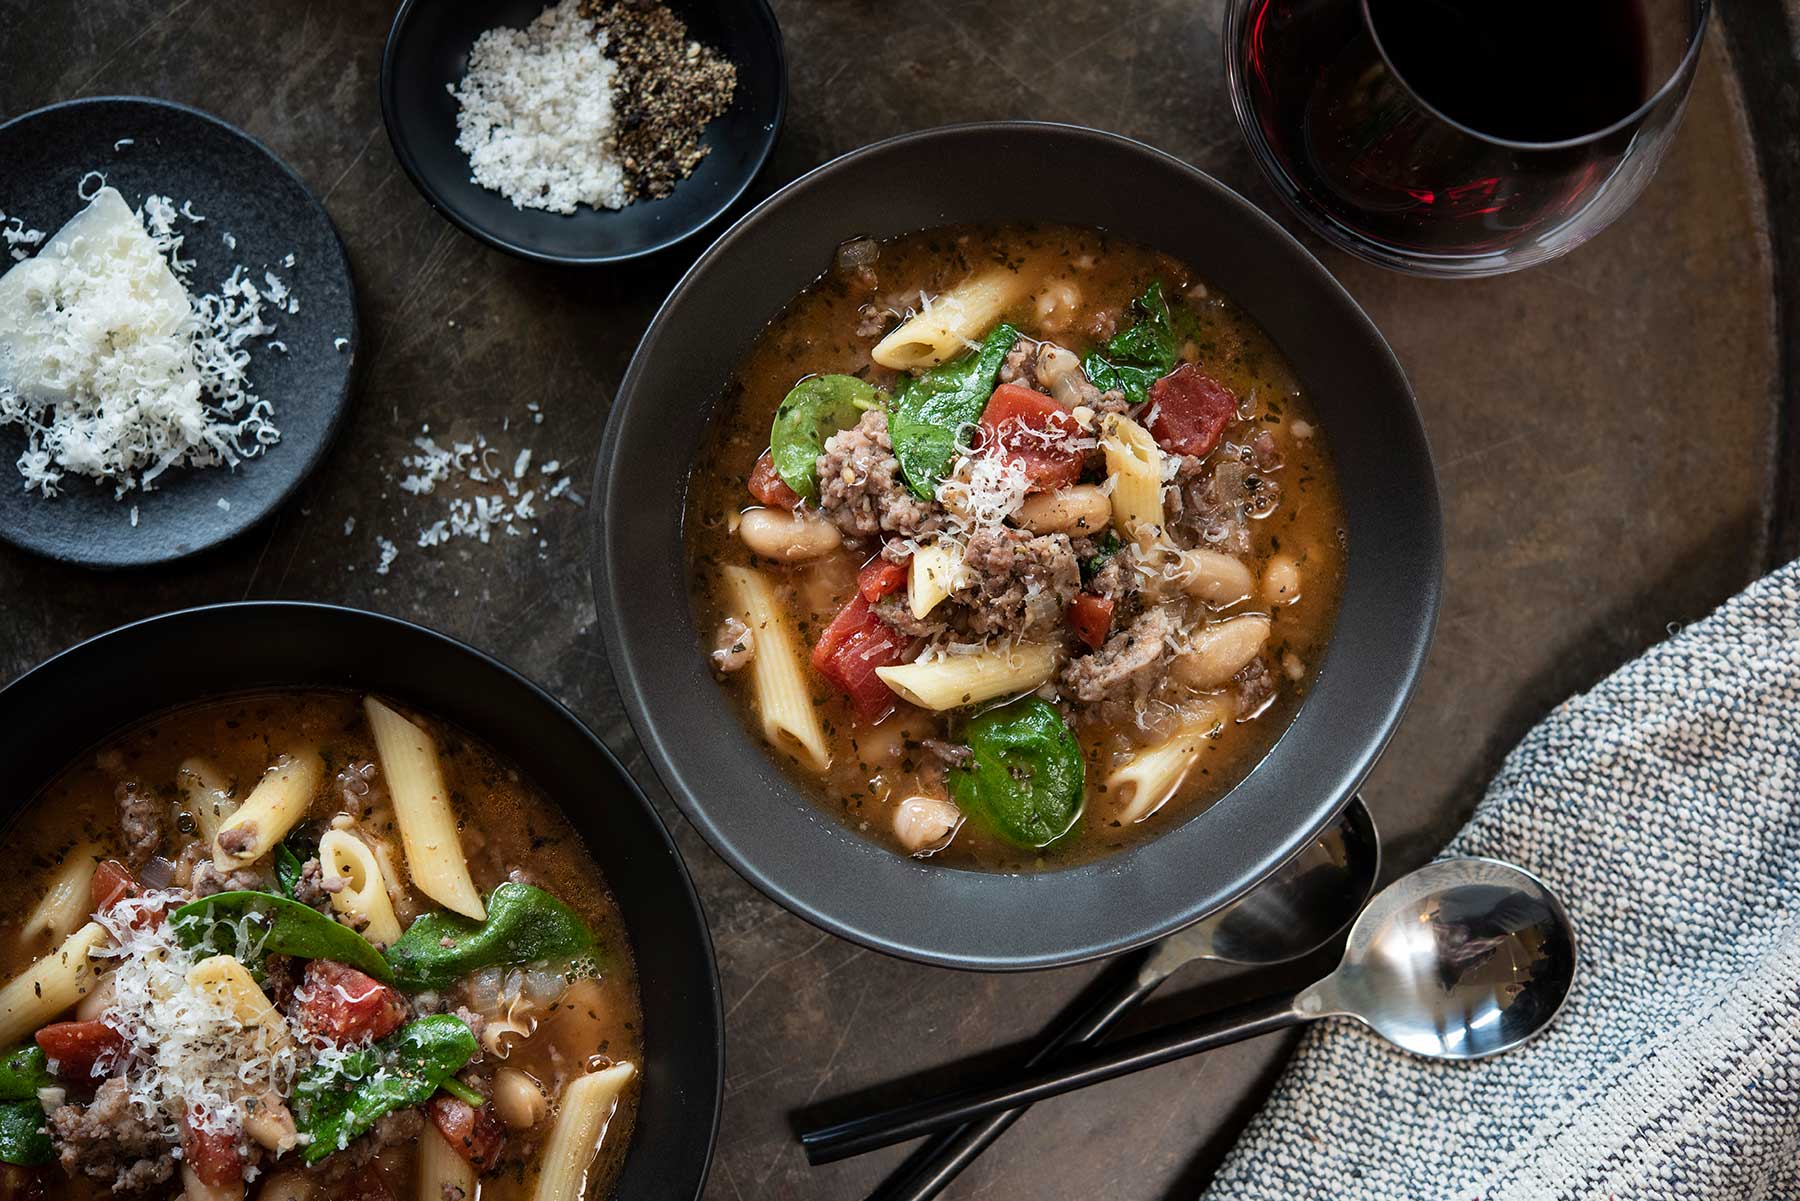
x: 240, y: 187
x: 428, y: 49
x: 717, y: 768
x: 54, y: 714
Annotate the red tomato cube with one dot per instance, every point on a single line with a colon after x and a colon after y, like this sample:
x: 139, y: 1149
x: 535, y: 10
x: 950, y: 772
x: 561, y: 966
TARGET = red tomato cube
x: 1033, y: 430
x: 341, y: 1004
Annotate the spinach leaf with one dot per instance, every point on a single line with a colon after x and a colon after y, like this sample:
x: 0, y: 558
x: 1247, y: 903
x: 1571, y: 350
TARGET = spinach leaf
x: 404, y: 1069
x: 1103, y: 553
x: 1135, y: 359
x: 287, y: 870
x: 817, y: 408
x: 524, y: 924
x: 1024, y: 777
x: 250, y: 925
x: 22, y: 1136
x: 24, y: 1070
x: 929, y: 410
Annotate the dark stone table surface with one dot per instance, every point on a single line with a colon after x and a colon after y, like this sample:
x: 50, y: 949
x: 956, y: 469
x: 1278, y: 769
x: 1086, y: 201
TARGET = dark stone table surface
x: 1612, y: 431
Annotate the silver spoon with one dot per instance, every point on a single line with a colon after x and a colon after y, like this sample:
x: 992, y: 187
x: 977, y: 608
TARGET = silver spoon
x: 1462, y: 959
x: 1304, y: 905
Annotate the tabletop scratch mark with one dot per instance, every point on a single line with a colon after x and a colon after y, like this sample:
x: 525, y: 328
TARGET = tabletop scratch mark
x: 737, y: 1086
x: 849, y: 1023
x: 847, y: 960
x: 771, y: 969
x: 367, y: 142
x: 731, y: 1179
x: 139, y: 36
x: 274, y: 528
x: 1469, y: 456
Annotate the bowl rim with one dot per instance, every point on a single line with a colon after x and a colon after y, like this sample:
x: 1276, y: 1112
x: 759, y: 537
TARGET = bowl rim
x: 450, y: 211
x: 71, y: 657
x: 610, y: 588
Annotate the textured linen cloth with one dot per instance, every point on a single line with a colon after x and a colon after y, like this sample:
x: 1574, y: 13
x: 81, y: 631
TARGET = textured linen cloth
x: 1664, y: 807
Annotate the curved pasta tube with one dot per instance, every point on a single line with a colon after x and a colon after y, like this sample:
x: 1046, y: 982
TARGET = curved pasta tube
x: 230, y: 984
x: 932, y: 575
x: 415, y: 781
x: 344, y: 856
x: 1134, y: 465
x: 1146, y: 783
x: 65, y: 904
x: 442, y: 1171
x: 789, y: 720
x: 952, y: 320
x: 958, y: 680
x: 206, y: 796
x: 277, y: 803
x: 587, y: 1105
x: 49, y: 986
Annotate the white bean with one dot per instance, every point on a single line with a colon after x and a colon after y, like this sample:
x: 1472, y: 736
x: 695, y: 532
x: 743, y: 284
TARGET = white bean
x: 924, y: 821
x: 1060, y: 371
x: 1219, y: 651
x: 1079, y: 509
x: 1218, y: 579
x: 518, y: 1100
x: 1281, y: 580
x: 1057, y: 303
x: 789, y: 537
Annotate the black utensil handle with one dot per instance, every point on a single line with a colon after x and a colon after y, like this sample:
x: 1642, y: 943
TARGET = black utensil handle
x: 1065, y: 1075
x: 935, y: 1165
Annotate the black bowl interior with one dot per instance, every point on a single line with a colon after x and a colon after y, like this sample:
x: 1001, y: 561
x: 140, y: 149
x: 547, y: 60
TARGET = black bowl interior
x: 63, y: 708
x: 428, y: 48
x: 717, y: 768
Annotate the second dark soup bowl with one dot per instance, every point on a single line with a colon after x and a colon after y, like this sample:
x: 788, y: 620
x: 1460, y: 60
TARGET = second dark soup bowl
x: 751, y: 810
x: 67, y: 706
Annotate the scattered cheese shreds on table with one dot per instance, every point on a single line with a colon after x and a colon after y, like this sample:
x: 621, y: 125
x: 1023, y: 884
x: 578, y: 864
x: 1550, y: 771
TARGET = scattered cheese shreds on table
x: 114, y: 367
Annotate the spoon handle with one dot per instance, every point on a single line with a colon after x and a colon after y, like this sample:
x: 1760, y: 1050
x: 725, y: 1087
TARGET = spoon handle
x: 936, y: 1164
x: 1066, y: 1074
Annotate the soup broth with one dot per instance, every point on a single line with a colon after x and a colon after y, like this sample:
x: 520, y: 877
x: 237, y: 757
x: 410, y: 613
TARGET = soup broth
x: 289, y: 806
x: 927, y: 461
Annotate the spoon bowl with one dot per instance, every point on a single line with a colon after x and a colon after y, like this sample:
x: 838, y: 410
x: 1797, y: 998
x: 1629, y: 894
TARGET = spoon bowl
x: 1462, y: 959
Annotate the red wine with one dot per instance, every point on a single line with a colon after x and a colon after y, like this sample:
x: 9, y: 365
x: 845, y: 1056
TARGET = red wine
x: 1528, y: 70
x: 1350, y: 143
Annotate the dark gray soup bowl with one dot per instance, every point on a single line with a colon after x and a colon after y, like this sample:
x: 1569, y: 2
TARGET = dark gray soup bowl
x: 749, y: 809
x: 66, y: 706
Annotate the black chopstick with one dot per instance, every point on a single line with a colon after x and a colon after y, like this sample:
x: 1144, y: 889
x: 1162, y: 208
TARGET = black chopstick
x: 1066, y: 1074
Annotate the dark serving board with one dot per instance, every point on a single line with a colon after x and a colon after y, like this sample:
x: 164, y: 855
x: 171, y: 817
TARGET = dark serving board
x: 240, y: 187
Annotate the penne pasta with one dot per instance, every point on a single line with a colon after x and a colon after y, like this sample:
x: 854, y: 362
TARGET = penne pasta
x: 415, y: 781
x: 789, y: 721
x: 277, y: 803
x: 230, y: 984
x: 952, y: 320
x: 68, y: 900
x: 932, y: 575
x: 958, y: 680
x: 1134, y: 465
x: 587, y: 1105
x: 205, y: 796
x: 344, y: 856
x: 1146, y: 783
x: 49, y: 986
x: 442, y: 1171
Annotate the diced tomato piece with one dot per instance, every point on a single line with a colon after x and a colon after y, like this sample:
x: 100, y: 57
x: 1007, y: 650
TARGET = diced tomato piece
x: 78, y: 1046
x: 880, y: 577
x: 1090, y: 617
x: 213, y: 1154
x: 1189, y: 411
x: 851, y: 648
x: 113, y: 882
x: 339, y: 1003
x: 475, y: 1134
x: 767, y: 486
x: 1033, y: 430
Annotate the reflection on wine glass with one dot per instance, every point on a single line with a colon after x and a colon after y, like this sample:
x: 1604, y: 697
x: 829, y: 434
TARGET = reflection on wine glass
x: 1460, y: 137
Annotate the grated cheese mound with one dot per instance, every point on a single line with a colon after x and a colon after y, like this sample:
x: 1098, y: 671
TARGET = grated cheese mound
x: 185, y: 1052
x: 113, y: 368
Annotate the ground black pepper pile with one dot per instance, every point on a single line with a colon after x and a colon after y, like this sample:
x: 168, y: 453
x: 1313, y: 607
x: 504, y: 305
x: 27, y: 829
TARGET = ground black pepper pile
x: 668, y: 89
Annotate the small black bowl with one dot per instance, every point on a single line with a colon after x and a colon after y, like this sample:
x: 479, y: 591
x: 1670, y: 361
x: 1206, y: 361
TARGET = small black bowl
x: 721, y: 775
x: 61, y: 710
x: 428, y: 49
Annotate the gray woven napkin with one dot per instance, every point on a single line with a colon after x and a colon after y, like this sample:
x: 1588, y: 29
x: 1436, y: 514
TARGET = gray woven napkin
x: 1664, y: 806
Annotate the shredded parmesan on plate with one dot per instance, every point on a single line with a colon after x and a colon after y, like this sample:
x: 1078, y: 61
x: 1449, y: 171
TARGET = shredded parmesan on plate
x: 113, y: 367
